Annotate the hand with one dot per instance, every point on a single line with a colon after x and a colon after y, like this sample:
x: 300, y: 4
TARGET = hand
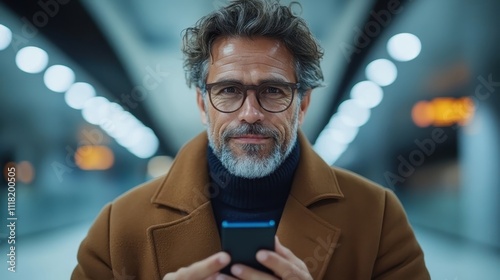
x: 207, y: 269
x: 283, y: 263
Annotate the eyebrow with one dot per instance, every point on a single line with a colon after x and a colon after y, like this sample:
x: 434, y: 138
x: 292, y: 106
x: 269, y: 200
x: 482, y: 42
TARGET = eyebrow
x: 271, y: 80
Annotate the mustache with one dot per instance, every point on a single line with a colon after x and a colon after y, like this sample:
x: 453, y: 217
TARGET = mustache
x: 245, y: 129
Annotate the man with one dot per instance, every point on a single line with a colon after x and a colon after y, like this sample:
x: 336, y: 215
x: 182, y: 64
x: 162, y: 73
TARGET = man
x: 254, y: 65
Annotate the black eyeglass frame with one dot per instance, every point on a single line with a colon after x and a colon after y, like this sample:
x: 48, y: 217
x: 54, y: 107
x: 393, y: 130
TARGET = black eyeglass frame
x: 293, y: 86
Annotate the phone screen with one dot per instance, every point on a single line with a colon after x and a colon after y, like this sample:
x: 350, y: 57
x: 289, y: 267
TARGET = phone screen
x: 242, y: 240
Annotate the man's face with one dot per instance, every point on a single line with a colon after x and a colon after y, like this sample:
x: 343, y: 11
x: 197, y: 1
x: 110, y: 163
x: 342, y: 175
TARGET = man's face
x: 251, y: 142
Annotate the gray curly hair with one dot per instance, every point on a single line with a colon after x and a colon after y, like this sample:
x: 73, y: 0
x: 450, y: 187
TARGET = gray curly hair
x: 253, y: 18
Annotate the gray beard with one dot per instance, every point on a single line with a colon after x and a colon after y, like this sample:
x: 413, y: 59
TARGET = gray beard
x: 252, y: 165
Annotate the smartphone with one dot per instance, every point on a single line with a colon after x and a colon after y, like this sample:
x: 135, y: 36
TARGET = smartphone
x: 242, y: 241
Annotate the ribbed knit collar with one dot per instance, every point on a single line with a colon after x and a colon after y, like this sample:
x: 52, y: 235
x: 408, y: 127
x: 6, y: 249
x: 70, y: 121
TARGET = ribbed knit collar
x: 259, y: 193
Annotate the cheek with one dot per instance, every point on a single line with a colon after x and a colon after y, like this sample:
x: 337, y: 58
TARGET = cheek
x: 217, y: 124
x: 284, y: 126
x: 288, y: 124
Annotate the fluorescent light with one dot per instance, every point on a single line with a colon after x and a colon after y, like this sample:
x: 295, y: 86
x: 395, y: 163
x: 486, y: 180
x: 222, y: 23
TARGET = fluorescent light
x: 142, y: 142
x: 367, y: 94
x: 5, y: 37
x: 340, y: 136
x: 147, y: 148
x: 78, y: 94
x: 92, y: 110
x: 328, y: 149
x: 32, y: 59
x: 59, y: 78
x: 353, y: 114
x: 382, y: 72
x: 108, y: 117
x: 404, y: 46
x: 134, y: 136
x: 124, y: 122
x: 339, y: 131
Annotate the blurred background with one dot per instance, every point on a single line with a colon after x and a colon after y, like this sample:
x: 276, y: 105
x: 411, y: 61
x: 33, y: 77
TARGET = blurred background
x: 93, y: 101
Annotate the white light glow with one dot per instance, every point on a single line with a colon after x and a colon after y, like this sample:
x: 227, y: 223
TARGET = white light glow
x: 145, y: 143
x: 108, y: 115
x: 328, y: 149
x: 382, y: 71
x: 93, y: 108
x: 124, y: 123
x: 134, y: 137
x: 59, y: 78
x: 367, y: 94
x: 159, y: 165
x: 32, y: 59
x: 352, y: 114
x: 404, y: 46
x: 339, y: 131
x: 5, y: 37
x: 78, y: 94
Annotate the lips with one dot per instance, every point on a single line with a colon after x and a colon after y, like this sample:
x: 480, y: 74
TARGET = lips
x: 251, y: 139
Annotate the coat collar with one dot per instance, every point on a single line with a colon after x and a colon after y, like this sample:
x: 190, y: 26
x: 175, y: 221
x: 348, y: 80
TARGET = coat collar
x: 186, y: 189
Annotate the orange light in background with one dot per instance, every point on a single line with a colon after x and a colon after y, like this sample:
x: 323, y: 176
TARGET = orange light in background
x: 443, y: 111
x: 94, y: 157
x: 466, y: 108
x: 25, y: 172
x: 422, y: 114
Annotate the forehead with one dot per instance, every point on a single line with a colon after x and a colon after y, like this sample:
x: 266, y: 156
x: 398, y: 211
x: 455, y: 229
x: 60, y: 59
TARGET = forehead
x: 250, y: 60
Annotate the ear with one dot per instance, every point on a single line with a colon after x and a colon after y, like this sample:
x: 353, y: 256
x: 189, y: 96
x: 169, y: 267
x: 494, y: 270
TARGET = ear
x: 201, y: 106
x: 304, y: 105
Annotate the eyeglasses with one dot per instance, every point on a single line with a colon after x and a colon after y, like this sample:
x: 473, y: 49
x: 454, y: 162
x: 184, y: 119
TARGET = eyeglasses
x: 274, y: 97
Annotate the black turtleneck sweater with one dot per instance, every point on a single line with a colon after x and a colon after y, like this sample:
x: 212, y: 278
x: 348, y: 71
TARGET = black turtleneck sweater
x: 240, y: 199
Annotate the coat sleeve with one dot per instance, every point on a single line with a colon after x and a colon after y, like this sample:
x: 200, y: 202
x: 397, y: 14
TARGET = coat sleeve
x: 94, y: 260
x: 399, y: 255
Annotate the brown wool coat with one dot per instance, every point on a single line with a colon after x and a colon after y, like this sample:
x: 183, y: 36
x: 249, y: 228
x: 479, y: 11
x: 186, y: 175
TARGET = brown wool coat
x: 342, y: 226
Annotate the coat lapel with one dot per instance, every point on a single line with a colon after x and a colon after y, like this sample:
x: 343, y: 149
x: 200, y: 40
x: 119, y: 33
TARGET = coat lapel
x: 306, y: 234
x: 184, y: 241
x: 194, y: 236
x: 309, y: 237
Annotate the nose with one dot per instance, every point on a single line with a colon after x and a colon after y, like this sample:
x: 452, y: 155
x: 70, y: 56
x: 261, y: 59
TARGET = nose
x: 251, y: 112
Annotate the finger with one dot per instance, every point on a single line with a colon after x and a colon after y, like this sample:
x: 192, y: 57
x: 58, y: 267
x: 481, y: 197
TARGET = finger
x: 202, y: 269
x: 247, y: 273
x: 281, y: 266
x: 288, y: 254
x: 220, y: 276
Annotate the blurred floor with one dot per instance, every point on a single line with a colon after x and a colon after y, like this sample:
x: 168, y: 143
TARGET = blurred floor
x: 450, y: 258
x: 53, y: 256
x: 47, y: 256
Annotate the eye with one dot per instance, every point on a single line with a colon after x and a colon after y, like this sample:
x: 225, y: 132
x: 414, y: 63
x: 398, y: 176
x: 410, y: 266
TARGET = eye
x: 273, y: 90
x: 228, y: 90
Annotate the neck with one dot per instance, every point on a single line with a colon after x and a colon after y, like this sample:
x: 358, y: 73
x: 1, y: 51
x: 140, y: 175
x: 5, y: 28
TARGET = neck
x: 258, y: 193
